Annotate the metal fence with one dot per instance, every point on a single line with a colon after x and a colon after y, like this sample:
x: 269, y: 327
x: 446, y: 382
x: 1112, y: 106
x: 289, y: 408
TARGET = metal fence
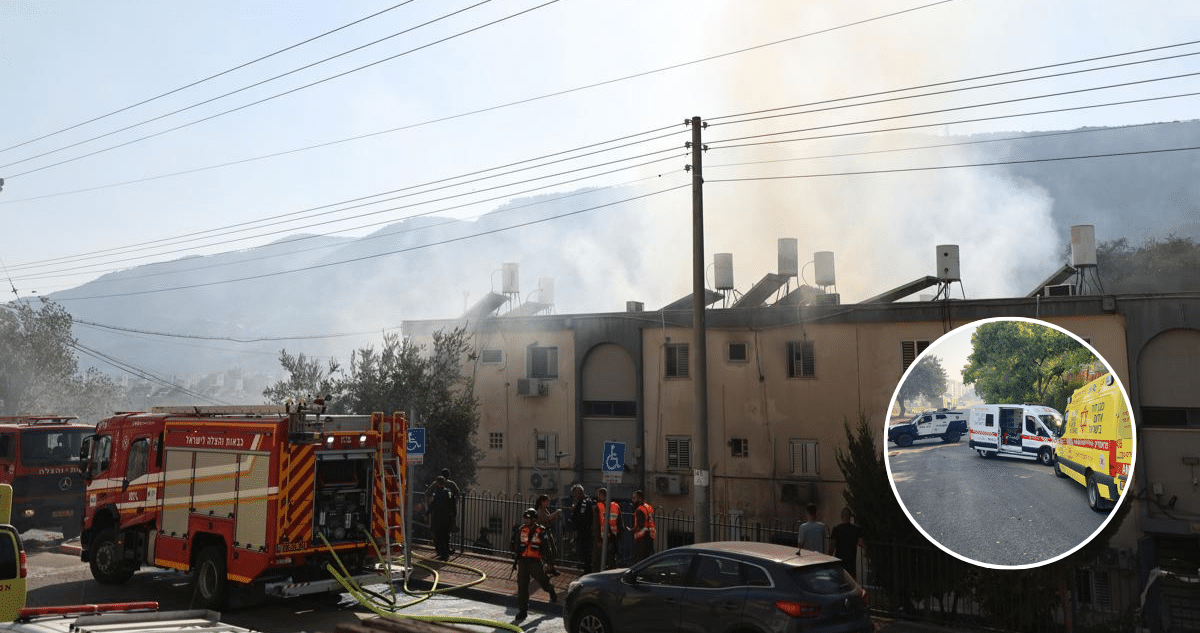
x: 902, y: 581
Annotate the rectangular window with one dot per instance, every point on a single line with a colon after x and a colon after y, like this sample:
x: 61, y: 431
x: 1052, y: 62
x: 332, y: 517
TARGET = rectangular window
x: 989, y: 420
x: 677, y: 360
x: 909, y: 350
x: 491, y: 356
x: 679, y: 452
x: 543, y: 362
x: 547, y: 448
x: 495, y: 440
x: 805, y: 458
x: 801, y: 362
x: 739, y: 447
x: 739, y: 352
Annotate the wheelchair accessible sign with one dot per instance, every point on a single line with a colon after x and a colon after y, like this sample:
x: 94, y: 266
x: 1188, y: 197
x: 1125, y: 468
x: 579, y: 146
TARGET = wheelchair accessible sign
x: 613, y: 462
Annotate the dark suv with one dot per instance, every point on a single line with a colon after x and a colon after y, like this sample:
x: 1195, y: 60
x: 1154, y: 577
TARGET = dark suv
x: 721, y: 587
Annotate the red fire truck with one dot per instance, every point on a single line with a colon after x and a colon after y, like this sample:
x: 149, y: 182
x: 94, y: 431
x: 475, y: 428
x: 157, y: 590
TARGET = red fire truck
x: 39, y: 458
x: 264, y: 497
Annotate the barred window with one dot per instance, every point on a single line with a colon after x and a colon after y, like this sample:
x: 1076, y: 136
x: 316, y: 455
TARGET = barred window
x: 801, y: 362
x: 495, y: 440
x: 909, y: 350
x: 679, y: 452
x: 677, y: 360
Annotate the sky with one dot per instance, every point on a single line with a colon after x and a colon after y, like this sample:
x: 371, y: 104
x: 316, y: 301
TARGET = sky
x: 135, y: 132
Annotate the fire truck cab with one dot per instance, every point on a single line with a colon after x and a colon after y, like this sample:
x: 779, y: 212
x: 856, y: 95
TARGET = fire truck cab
x: 39, y: 458
x: 265, y: 497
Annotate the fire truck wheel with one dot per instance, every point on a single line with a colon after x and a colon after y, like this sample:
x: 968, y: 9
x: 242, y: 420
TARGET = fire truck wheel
x: 210, y: 582
x: 105, y: 559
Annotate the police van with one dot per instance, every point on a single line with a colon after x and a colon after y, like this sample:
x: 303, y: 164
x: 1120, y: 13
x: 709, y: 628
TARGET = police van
x: 1027, y: 431
x: 944, y: 423
x: 1096, y: 448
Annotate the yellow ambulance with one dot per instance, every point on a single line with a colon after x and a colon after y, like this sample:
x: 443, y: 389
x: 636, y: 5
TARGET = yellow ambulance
x: 1096, y: 447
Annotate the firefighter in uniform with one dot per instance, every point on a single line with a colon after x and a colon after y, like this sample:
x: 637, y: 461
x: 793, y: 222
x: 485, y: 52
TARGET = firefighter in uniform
x: 644, y: 531
x: 608, y: 521
x: 532, y: 546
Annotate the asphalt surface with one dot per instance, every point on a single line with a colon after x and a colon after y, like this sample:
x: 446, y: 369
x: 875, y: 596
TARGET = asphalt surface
x: 470, y: 585
x: 999, y: 511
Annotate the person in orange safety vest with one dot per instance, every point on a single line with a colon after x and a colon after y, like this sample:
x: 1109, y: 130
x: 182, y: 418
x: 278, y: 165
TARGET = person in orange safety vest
x: 644, y: 531
x: 532, y: 546
x: 608, y: 522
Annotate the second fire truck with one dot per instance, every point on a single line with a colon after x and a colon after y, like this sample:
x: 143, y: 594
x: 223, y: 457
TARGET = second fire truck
x: 265, y: 497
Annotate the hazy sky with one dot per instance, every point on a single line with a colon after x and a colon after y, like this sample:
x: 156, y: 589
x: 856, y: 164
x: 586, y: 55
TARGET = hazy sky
x: 114, y: 156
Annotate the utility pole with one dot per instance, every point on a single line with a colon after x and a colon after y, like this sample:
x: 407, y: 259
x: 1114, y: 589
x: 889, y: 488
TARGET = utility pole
x: 700, y: 482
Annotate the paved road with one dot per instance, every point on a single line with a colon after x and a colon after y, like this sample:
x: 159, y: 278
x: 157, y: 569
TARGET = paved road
x: 999, y: 511
x: 57, y: 578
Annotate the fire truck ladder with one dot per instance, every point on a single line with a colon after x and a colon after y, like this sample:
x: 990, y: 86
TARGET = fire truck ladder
x: 392, y: 480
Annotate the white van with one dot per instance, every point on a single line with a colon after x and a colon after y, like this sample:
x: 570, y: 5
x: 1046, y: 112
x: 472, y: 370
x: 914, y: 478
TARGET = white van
x: 1016, y: 430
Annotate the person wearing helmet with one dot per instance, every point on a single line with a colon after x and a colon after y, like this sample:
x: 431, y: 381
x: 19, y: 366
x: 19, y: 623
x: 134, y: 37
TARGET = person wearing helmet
x: 532, y: 545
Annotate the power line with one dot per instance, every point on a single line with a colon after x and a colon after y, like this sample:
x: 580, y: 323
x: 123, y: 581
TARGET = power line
x: 713, y: 121
x: 378, y: 255
x: 261, y: 339
x: 390, y: 209
x: 370, y: 237
x: 260, y: 101
x: 208, y: 78
x: 140, y: 373
x: 959, y: 166
x: 941, y: 123
x: 530, y: 99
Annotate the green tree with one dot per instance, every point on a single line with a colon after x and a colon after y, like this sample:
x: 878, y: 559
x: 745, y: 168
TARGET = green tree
x: 39, y: 372
x: 927, y: 380
x: 307, y: 379
x: 401, y: 375
x: 1019, y: 361
x: 910, y: 569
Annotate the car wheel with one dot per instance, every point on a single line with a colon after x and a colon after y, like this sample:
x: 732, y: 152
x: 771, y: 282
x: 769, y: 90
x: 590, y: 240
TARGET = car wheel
x: 950, y: 437
x: 1095, y: 500
x: 108, y: 567
x: 591, y: 620
x: 904, y: 439
x: 1046, y: 456
x: 209, y: 581
x: 984, y: 454
x: 1058, y: 471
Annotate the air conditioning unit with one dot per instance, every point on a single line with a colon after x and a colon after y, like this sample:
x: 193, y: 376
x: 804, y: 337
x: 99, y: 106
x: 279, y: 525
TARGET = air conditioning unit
x: 541, y: 481
x: 669, y: 485
x: 531, y: 387
x: 798, y: 492
x: 1060, y: 290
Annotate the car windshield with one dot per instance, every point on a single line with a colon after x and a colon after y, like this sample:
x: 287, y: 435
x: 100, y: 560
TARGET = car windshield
x: 823, y: 580
x: 1053, y: 422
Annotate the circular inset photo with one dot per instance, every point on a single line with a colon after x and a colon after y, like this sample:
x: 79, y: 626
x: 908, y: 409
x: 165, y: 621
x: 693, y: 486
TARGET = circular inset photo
x: 1009, y: 443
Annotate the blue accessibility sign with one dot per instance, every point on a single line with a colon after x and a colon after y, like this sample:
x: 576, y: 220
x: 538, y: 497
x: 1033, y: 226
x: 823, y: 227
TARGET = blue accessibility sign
x: 613, y: 459
x: 416, y: 441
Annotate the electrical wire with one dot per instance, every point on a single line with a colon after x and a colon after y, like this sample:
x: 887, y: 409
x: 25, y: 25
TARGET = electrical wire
x: 944, y: 123
x: 717, y: 121
x: 259, y: 101
x: 561, y: 92
x: 559, y: 157
x: 959, y: 166
x: 140, y: 373
x: 91, y: 267
x: 208, y: 78
x: 306, y: 337
x: 978, y: 105
x: 378, y: 255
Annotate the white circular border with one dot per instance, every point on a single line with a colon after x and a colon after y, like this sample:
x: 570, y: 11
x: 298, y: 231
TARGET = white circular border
x: 1111, y: 513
